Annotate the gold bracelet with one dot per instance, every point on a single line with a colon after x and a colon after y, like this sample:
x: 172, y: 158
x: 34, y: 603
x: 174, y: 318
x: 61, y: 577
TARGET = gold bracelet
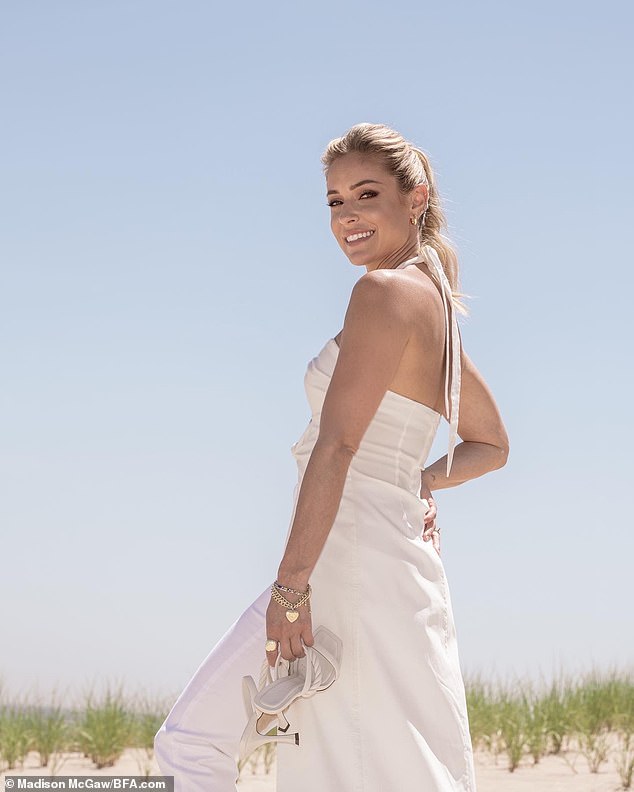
x: 292, y: 614
x: 283, y: 601
x: 280, y: 587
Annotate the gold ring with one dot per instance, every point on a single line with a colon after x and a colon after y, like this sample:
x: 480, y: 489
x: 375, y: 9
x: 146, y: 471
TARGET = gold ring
x: 271, y: 646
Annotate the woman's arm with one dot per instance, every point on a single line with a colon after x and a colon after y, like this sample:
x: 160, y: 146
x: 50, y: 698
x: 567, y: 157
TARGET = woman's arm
x: 485, y: 445
x: 317, y: 505
x: 376, y: 330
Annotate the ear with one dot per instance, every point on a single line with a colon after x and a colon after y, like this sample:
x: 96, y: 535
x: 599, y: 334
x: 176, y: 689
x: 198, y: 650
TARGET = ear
x: 419, y: 196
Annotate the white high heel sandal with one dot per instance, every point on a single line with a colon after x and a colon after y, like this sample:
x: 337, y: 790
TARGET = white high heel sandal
x: 314, y: 672
x: 254, y: 734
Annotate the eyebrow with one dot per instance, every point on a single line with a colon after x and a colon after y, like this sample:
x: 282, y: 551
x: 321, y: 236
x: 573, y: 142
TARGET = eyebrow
x: 358, y: 184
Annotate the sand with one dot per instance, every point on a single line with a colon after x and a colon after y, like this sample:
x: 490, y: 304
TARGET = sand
x: 552, y: 774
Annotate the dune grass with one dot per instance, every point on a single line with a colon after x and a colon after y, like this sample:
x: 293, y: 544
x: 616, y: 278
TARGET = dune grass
x: 585, y: 719
x: 101, y: 728
x: 589, y: 716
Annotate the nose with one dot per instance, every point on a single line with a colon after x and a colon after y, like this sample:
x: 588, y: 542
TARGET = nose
x: 348, y: 216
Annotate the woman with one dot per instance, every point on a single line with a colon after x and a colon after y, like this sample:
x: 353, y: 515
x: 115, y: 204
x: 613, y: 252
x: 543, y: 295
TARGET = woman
x: 396, y: 717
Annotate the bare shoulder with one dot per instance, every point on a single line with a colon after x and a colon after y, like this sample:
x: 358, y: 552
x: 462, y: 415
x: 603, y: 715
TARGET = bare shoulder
x: 403, y: 293
x: 380, y: 322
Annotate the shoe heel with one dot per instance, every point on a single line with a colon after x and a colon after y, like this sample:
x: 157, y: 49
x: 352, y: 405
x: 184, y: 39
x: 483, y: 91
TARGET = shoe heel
x: 247, y: 746
x: 291, y: 739
x: 252, y: 738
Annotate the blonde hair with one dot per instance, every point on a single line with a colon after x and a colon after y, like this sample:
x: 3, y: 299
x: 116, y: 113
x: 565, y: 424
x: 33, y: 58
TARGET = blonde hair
x: 410, y: 166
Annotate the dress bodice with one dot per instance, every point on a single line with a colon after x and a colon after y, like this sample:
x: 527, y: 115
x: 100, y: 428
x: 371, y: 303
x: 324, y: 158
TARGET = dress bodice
x: 400, y: 435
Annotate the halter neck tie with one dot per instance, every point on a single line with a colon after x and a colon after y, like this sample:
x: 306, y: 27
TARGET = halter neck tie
x: 452, y: 349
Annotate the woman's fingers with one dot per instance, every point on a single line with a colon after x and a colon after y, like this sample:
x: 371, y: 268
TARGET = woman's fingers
x: 291, y: 639
x: 429, y: 530
x: 291, y: 648
x: 285, y: 648
x: 429, y: 519
x: 307, y: 636
x: 304, y: 637
x: 296, y: 646
x: 430, y: 514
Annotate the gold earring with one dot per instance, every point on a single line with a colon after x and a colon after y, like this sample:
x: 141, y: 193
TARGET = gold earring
x: 413, y: 220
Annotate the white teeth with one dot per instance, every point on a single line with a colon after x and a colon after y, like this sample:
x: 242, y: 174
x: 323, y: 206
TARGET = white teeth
x: 359, y: 236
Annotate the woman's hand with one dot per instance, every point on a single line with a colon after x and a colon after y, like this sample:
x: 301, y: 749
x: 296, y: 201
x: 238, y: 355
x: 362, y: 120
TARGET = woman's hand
x: 430, y: 531
x: 289, y: 634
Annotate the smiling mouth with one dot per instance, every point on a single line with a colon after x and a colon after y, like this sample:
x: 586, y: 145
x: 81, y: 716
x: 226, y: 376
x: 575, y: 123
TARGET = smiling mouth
x: 359, y: 237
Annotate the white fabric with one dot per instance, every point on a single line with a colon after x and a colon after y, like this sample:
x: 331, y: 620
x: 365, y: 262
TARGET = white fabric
x: 396, y: 717
x: 452, y: 344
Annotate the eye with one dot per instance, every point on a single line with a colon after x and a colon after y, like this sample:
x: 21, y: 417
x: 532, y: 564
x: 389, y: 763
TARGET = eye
x: 371, y: 193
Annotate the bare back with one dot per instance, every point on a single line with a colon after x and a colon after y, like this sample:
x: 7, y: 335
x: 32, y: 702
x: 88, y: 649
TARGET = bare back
x: 420, y: 374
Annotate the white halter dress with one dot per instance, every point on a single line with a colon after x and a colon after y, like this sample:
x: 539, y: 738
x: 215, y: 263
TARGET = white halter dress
x: 396, y: 718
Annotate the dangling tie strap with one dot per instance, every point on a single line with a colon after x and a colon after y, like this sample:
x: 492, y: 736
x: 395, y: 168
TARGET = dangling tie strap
x: 452, y: 353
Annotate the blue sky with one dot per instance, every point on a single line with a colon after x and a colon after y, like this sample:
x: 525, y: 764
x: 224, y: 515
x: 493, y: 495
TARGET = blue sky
x: 168, y: 271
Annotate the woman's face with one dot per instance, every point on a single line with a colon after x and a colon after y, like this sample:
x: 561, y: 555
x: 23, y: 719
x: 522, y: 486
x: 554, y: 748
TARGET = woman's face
x: 365, y: 200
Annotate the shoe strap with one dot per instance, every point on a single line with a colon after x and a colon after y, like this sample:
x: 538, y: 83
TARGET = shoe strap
x: 265, y: 674
x: 314, y: 675
x: 329, y: 657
